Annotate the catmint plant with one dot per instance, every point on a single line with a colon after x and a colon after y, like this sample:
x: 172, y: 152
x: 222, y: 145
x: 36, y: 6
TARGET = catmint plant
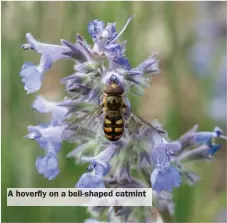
x: 159, y: 163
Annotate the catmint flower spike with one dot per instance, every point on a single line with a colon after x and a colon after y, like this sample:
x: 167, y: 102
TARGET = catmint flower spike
x: 123, y: 29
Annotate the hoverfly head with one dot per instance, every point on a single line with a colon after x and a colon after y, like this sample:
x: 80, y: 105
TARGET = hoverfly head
x: 114, y: 86
x: 113, y: 79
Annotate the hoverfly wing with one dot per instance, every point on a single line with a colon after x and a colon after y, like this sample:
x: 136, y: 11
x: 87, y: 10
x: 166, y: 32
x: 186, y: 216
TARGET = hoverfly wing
x: 138, y: 125
x: 83, y: 126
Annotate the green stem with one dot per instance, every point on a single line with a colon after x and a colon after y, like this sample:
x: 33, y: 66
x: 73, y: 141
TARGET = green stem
x: 173, y: 77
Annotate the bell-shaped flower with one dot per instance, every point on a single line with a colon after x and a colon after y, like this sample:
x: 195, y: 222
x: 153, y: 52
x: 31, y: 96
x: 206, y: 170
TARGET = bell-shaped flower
x: 99, y: 168
x: 206, y: 137
x: 93, y: 179
x: 48, y: 165
x: 103, y: 158
x: 95, y: 28
x: 45, y: 133
x: 32, y: 75
x: 165, y: 179
x: 105, y: 46
x: 164, y: 176
x: 44, y: 106
x: 90, y: 180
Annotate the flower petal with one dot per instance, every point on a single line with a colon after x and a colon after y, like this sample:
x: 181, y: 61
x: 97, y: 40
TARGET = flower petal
x: 46, y: 135
x: 31, y: 77
x: 161, y: 154
x: 203, y: 137
x: 150, y: 65
x: 165, y: 180
x: 123, y: 62
x: 111, y: 29
x: 44, y: 106
x: 95, y: 27
x: 77, y: 52
x: 102, y: 158
x: 48, y: 166
x: 55, y: 52
x: 88, y: 180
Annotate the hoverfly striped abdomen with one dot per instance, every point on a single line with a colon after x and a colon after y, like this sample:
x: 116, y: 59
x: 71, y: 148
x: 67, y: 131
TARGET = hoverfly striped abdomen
x: 113, y: 127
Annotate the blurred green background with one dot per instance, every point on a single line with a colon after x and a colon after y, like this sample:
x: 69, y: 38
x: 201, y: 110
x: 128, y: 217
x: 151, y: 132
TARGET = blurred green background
x: 190, y: 38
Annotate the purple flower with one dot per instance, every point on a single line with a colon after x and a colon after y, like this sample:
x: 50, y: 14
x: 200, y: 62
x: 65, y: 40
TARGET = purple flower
x: 162, y: 153
x: 104, y: 157
x: 48, y: 165
x: 46, y: 135
x: 115, y: 52
x: 90, y: 180
x: 98, y: 168
x: 104, y: 43
x: 123, y: 62
x: 32, y: 75
x: 44, y: 106
x: 95, y: 28
x: 164, y: 176
x: 205, y: 137
x: 192, y: 137
x: 165, y: 180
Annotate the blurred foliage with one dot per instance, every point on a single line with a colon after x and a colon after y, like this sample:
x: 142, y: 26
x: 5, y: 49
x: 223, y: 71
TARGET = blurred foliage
x: 177, y: 98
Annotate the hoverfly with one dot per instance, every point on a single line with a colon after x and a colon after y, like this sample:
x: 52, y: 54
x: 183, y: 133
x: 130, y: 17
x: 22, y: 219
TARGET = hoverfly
x: 114, y: 109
